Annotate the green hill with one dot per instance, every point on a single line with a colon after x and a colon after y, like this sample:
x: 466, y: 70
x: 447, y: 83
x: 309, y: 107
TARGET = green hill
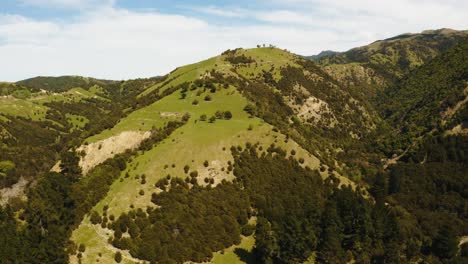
x: 255, y: 155
x: 369, y: 69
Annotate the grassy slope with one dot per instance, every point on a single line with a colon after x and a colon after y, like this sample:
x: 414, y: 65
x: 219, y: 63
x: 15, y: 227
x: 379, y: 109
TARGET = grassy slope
x: 381, y: 63
x: 229, y: 255
x: 35, y: 108
x: 191, y: 145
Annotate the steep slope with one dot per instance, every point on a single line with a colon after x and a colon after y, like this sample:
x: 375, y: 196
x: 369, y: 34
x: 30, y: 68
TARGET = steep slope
x: 431, y: 99
x: 43, y: 116
x: 369, y: 69
x: 212, y: 95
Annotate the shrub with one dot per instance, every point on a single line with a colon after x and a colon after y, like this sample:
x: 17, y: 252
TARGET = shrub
x: 250, y: 109
x: 208, y: 98
x: 248, y: 230
x: 219, y: 114
x: 186, y: 117
x: 227, y: 115
x: 118, y: 257
x: 95, y: 218
x: 195, y: 102
x: 82, y: 248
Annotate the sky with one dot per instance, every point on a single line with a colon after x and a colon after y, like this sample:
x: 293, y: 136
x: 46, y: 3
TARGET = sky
x: 123, y: 39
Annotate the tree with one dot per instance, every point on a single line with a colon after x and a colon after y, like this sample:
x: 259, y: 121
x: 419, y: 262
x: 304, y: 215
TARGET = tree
x: 203, y: 117
x: 227, y: 115
x: 195, y: 102
x: 250, y: 109
x: 82, y: 248
x: 330, y: 250
x: 95, y: 218
x: 266, y: 245
x: 219, y: 114
x: 208, y: 98
x: 118, y: 257
x: 186, y: 117
x: 212, y: 119
x: 445, y: 244
x: 69, y: 164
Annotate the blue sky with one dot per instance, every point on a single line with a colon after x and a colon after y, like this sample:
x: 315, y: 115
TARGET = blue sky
x: 121, y: 39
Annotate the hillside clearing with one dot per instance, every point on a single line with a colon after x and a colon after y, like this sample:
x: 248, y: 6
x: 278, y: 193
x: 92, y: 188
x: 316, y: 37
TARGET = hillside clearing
x: 97, y: 152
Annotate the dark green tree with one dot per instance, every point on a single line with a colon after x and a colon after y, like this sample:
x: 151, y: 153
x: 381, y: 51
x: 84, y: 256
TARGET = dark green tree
x: 445, y: 244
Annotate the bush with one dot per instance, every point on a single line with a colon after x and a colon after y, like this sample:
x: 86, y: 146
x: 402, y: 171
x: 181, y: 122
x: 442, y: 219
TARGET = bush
x: 227, y: 115
x: 219, y: 114
x: 82, y: 248
x: 95, y: 218
x: 203, y: 117
x: 208, y: 98
x: 195, y: 102
x: 186, y: 117
x: 118, y: 257
x: 248, y: 230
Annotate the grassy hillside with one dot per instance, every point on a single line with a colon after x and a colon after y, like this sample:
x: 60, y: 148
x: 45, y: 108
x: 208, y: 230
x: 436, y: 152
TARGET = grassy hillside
x: 193, y: 144
x: 205, y: 91
x: 369, y: 69
x: 60, y: 84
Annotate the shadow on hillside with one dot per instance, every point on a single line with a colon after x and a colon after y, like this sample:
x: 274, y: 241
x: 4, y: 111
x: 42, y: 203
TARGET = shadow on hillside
x: 245, y: 256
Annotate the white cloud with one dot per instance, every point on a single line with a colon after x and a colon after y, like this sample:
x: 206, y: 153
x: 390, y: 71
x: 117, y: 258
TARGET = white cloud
x: 108, y: 42
x: 74, y: 4
x: 119, y: 44
x: 212, y: 10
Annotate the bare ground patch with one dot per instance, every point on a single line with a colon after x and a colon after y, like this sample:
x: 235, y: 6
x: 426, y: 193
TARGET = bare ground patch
x: 312, y: 110
x: 98, y: 152
x: 17, y: 190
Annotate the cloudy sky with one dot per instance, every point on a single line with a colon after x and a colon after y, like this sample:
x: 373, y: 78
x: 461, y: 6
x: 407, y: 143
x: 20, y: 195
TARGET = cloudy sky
x: 121, y: 39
